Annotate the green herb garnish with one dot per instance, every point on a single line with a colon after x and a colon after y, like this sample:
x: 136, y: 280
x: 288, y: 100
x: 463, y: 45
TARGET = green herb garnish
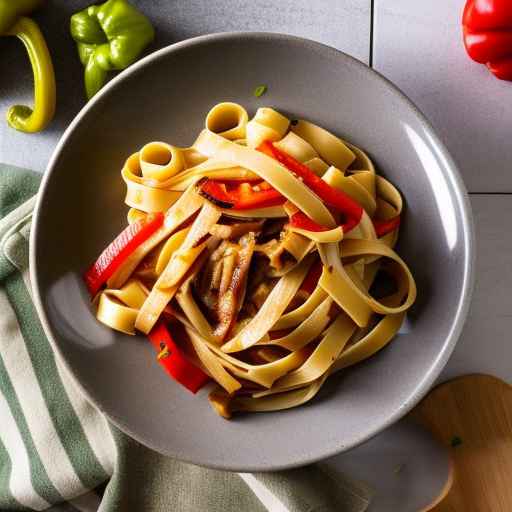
x: 398, y: 469
x: 456, y: 441
x: 164, y: 351
x: 260, y: 90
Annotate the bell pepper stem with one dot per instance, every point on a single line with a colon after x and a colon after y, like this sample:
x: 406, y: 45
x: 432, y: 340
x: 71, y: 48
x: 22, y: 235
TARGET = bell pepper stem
x: 22, y: 117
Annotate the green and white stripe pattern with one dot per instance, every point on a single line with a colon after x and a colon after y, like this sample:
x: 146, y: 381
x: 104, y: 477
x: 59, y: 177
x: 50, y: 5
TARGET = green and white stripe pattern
x: 57, y: 450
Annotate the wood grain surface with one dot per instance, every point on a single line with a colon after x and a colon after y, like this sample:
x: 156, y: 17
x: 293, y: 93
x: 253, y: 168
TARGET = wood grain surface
x: 472, y: 415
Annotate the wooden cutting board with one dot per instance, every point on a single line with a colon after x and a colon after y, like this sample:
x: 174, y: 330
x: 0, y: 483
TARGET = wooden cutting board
x: 472, y: 416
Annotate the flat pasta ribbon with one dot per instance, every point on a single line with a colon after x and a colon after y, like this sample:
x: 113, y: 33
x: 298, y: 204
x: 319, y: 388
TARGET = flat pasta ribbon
x: 268, y: 301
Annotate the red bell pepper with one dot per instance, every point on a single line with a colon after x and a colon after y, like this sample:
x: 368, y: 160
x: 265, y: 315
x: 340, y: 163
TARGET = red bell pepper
x: 302, y: 221
x: 246, y: 196
x: 331, y: 196
x: 117, y: 251
x: 312, y: 277
x: 243, y: 196
x: 383, y: 227
x: 175, y: 363
x: 487, y: 28
x: 214, y: 191
x: 265, y: 186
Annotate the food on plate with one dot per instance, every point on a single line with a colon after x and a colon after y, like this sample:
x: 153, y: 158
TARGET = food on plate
x: 109, y: 37
x: 14, y: 22
x: 260, y: 257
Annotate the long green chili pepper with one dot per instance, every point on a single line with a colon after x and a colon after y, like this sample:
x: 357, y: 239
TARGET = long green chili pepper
x: 13, y: 22
x: 109, y: 37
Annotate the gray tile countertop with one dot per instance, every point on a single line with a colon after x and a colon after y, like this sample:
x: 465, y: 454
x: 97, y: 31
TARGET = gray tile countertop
x: 484, y: 346
x: 418, y: 46
x: 342, y: 24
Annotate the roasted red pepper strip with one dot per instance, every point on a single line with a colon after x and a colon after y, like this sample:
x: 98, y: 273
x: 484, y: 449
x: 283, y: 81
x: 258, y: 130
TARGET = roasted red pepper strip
x: 383, y: 227
x: 245, y: 197
x: 312, y: 277
x: 302, y: 221
x: 175, y: 363
x: 265, y: 186
x: 240, y: 197
x: 487, y: 28
x: 215, y: 192
x: 117, y: 252
x: 330, y: 195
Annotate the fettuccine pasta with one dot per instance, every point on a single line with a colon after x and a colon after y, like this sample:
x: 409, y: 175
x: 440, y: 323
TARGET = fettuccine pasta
x: 264, y: 253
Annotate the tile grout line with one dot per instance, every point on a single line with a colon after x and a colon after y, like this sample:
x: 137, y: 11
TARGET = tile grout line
x: 370, y: 63
x: 490, y: 193
x: 372, y: 14
x: 372, y: 29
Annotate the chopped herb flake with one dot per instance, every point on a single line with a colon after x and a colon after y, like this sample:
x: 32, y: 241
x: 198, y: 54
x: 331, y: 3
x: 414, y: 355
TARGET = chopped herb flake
x: 164, y: 352
x: 294, y: 122
x: 260, y: 90
x: 456, y: 441
x: 398, y: 469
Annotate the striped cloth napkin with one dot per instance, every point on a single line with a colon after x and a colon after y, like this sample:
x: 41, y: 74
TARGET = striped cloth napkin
x: 57, y: 452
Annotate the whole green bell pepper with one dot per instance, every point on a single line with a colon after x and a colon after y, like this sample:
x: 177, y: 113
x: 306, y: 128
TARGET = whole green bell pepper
x: 13, y: 22
x: 109, y: 37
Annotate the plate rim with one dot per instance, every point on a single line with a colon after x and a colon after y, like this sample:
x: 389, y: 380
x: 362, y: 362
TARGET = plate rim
x: 452, y: 174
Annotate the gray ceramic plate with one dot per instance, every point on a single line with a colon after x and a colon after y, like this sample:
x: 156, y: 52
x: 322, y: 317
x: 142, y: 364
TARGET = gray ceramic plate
x: 165, y: 97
